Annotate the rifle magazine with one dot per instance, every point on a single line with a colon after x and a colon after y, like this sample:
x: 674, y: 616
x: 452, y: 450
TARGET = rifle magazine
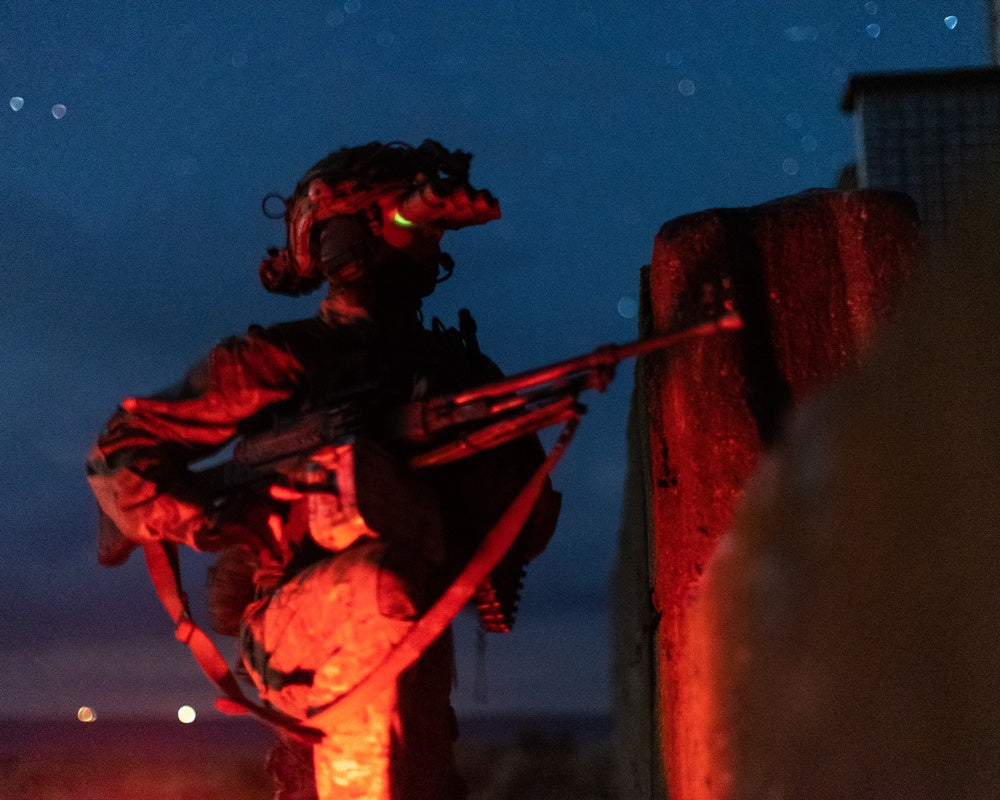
x: 497, y: 598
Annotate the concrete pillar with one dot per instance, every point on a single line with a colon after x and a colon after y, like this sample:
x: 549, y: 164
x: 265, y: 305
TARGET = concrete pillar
x: 813, y: 276
x: 849, y: 621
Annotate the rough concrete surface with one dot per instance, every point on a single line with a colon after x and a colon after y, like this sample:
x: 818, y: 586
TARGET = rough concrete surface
x: 813, y: 276
x: 849, y: 626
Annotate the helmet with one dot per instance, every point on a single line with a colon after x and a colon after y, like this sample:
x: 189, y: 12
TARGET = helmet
x: 352, y: 190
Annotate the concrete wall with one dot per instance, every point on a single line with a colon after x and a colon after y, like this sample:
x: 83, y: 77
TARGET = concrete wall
x: 813, y: 276
x: 851, y: 615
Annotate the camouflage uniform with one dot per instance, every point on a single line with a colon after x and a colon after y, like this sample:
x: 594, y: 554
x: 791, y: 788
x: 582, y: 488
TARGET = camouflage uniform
x: 314, y: 623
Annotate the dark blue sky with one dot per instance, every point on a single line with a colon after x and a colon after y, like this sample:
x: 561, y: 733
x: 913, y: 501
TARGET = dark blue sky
x: 132, y: 233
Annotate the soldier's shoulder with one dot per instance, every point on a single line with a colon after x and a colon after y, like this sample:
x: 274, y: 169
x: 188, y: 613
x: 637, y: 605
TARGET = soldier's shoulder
x: 295, y: 335
x: 311, y: 326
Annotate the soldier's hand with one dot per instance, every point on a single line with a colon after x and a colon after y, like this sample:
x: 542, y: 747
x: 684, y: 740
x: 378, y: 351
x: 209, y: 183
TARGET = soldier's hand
x: 242, y: 520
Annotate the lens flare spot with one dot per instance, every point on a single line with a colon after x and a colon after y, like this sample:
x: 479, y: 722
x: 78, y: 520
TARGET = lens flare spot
x: 402, y: 221
x: 58, y: 111
x: 686, y: 87
x: 17, y: 103
x: 950, y: 22
x: 186, y: 714
x: 628, y: 307
x: 86, y: 714
x: 874, y: 30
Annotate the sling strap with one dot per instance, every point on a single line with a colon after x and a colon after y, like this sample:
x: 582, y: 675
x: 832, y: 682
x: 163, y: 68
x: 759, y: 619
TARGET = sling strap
x: 433, y: 623
x: 164, y: 569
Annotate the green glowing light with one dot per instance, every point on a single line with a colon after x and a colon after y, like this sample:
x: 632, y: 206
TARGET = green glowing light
x: 402, y: 221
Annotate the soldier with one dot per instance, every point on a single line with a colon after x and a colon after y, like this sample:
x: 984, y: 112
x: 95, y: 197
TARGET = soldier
x: 317, y: 592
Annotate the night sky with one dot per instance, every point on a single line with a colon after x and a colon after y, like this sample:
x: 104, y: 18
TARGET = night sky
x: 138, y: 139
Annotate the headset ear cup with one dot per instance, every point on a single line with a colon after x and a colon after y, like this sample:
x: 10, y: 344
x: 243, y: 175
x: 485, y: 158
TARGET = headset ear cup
x: 346, y: 248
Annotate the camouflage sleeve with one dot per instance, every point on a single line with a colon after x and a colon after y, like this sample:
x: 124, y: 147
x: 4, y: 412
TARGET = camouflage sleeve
x: 138, y: 468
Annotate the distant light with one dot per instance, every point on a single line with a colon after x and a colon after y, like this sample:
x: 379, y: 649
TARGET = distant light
x: 17, y: 103
x: 58, y: 111
x: 686, y: 87
x: 628, y: 307
x: 874, y: 30
x: 950, y: 22
x: 86, y: 714
x: 186, y: 714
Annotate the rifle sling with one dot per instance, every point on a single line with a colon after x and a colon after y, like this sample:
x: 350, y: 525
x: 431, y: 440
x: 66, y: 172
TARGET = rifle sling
x: 164, y: 570
x: 433, y: 623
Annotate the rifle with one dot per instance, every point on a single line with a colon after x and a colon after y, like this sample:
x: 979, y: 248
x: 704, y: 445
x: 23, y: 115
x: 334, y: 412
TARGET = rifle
x: 443, y: 429
x: 438, y: 431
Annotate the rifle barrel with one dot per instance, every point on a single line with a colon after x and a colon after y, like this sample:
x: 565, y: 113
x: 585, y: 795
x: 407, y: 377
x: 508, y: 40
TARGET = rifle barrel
x: 603, y: 357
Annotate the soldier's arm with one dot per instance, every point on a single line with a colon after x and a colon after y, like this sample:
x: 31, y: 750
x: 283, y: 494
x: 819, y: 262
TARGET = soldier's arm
x: 138, y: 468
